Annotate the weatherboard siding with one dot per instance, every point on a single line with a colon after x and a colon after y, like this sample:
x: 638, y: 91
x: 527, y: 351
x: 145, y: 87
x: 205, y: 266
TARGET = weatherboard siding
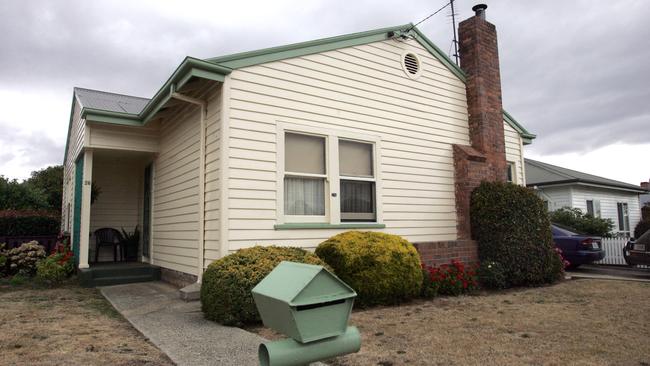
x: 175, y: 194
x: 361, y: 89
x: 212, y: 177
x: 515, y: 152
x: 557, y: 197
x: 123, y: 138
x: 75, y: 144
x: 608, y: 203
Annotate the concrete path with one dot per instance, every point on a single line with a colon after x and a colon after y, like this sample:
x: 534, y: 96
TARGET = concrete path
x: 178, y: 327
x: 618, y: 273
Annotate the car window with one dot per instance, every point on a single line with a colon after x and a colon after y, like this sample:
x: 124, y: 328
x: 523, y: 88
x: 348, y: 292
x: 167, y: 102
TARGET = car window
x: 561, y: 231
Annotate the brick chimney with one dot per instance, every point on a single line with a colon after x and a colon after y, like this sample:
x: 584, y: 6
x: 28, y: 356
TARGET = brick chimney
x: 485, y: 159
x: 645, y: 185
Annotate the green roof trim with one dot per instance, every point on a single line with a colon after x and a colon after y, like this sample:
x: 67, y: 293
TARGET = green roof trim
x: 435, y: 51
x: 250, y: 58
x: 526, y: 136
x: 67, y: 140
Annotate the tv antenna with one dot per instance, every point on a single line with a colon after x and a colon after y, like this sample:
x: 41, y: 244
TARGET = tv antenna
x: 453, y: 23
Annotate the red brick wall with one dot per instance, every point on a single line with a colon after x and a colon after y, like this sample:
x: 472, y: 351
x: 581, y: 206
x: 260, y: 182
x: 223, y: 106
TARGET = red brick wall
x: 485, y: 160
x: 442, y: 252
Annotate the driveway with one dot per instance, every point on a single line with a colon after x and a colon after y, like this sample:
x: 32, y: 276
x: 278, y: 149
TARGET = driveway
x: 611, y: 272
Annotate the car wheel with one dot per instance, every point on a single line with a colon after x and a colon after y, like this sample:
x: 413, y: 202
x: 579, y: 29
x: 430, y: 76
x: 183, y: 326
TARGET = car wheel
x: 627, y: 259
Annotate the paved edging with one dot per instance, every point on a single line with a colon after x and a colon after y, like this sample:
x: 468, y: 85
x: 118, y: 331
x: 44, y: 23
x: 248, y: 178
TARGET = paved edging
x: 178, y: 328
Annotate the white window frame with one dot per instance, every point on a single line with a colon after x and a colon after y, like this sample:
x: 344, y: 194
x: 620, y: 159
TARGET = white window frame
x: 625, y: 215
x: 360, y: 179
x: 332, y: 179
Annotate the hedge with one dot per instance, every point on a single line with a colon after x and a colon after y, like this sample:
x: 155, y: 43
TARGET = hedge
x: 381, y: 268
x: 513, y: 229
x: 28, y: 223
x: 227, y: 282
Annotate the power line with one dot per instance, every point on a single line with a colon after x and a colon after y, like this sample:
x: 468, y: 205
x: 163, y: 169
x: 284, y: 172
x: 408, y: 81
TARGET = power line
x: 432, y: 14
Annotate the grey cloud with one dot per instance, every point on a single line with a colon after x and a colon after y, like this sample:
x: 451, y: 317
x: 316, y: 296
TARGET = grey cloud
x: 34, y: 149
x: 570, y: 70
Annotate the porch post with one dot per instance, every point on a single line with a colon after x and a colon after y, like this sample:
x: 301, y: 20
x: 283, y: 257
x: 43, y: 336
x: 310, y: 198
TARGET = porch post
x: 84, y: 236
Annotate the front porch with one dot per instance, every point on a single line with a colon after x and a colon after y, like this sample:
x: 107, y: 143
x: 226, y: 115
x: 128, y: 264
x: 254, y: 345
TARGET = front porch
x: 115, y: 196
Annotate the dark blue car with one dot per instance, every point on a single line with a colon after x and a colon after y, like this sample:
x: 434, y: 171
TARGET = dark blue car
x: 577, y: 248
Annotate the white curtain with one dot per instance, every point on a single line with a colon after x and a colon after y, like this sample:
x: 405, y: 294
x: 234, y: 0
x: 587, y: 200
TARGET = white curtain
x: 304, y: 196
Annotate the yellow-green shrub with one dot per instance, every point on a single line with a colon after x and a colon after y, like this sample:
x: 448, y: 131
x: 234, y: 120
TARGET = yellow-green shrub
x: 227, y: 282
x: 381, y: 268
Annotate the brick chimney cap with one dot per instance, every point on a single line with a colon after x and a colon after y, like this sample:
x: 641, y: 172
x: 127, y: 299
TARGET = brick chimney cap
x: 479, y: 8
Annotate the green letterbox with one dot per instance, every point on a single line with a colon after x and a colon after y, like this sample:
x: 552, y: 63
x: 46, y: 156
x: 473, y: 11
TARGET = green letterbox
x: 305, y: 302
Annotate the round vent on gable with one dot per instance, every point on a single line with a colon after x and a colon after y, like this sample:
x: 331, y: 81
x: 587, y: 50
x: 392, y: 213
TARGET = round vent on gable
x: 412, y: 65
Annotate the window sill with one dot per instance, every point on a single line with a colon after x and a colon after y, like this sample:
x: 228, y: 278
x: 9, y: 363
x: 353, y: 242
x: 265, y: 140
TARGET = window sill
x: 317, y: 225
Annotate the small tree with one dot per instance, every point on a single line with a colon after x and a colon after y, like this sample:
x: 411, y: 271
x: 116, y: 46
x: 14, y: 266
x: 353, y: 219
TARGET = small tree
x: 19, y: 196
x: 583, y: 223
x: 512, y: 228
x: 49, y: 181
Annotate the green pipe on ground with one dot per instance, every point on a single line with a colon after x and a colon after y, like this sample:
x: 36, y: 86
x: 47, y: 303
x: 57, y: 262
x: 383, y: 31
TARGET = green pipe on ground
x: 288, y: 352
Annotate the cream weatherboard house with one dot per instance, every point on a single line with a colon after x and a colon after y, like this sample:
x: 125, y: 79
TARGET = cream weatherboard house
x: 289, y: 146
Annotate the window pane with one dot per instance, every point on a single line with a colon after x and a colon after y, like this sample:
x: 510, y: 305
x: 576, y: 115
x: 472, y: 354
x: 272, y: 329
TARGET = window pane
x: 355, y: 159
x: 590, y: 207
x: 357, y: 200
x: 304, y: 154
x: 304, y: 196
x: 510, y: 173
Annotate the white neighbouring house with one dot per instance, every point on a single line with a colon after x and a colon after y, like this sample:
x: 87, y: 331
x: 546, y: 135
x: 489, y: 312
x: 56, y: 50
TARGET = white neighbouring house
x: 601, y: 197
x: 292, y: 145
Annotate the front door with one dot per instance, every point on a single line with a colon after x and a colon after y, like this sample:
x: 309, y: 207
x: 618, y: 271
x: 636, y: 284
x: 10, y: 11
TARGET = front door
x: 146, y: 212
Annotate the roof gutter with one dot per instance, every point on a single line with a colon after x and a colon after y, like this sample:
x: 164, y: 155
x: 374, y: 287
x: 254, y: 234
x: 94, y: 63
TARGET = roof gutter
x: 583, y: 182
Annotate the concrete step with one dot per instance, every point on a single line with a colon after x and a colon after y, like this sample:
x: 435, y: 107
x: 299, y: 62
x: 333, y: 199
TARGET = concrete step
x: 118, y: 273
x: 121, y: 280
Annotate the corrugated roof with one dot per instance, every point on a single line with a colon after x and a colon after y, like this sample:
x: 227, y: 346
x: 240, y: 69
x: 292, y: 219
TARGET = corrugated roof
x: 540, y: 174
x: 113, y: 102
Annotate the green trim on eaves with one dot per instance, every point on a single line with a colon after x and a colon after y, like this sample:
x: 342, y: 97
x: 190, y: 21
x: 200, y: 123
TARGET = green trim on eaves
x: 316, y: 225
x: 437, y: 53
x: 526, y: 136
x: 67, y: 140
x: 250, y: 58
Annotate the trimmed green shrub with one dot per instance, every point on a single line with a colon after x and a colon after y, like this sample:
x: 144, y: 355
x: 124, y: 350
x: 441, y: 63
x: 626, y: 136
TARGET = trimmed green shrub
x: 641, y: 228
x: 227, y: 282
x: 492, y: 276
x: 23, y: 259
x: 582, y: 223
x: 28, y: 223
x: 381, y: 268
x: 512, y: 227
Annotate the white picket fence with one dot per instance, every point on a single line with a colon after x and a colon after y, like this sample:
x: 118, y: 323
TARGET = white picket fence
x: 613, y: 250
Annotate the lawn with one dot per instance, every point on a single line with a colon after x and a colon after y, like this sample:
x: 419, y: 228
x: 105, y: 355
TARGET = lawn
x: 68, y: 326
x: 579, y: 322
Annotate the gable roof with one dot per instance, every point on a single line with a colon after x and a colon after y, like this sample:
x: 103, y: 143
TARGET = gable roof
x: 125, y: 110
x: 112, y: 102
x: 543, y: 174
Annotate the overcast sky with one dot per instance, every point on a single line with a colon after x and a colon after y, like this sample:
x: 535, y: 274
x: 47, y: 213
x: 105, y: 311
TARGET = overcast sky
x: 576, y: 73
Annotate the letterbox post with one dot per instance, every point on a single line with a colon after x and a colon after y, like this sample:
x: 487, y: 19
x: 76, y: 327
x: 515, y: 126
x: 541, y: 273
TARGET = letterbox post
x: 310, y: 305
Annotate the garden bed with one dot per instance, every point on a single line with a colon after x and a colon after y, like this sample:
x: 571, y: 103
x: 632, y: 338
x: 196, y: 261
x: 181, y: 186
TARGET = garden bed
x: 575, y: 322
x: 68, y: 326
